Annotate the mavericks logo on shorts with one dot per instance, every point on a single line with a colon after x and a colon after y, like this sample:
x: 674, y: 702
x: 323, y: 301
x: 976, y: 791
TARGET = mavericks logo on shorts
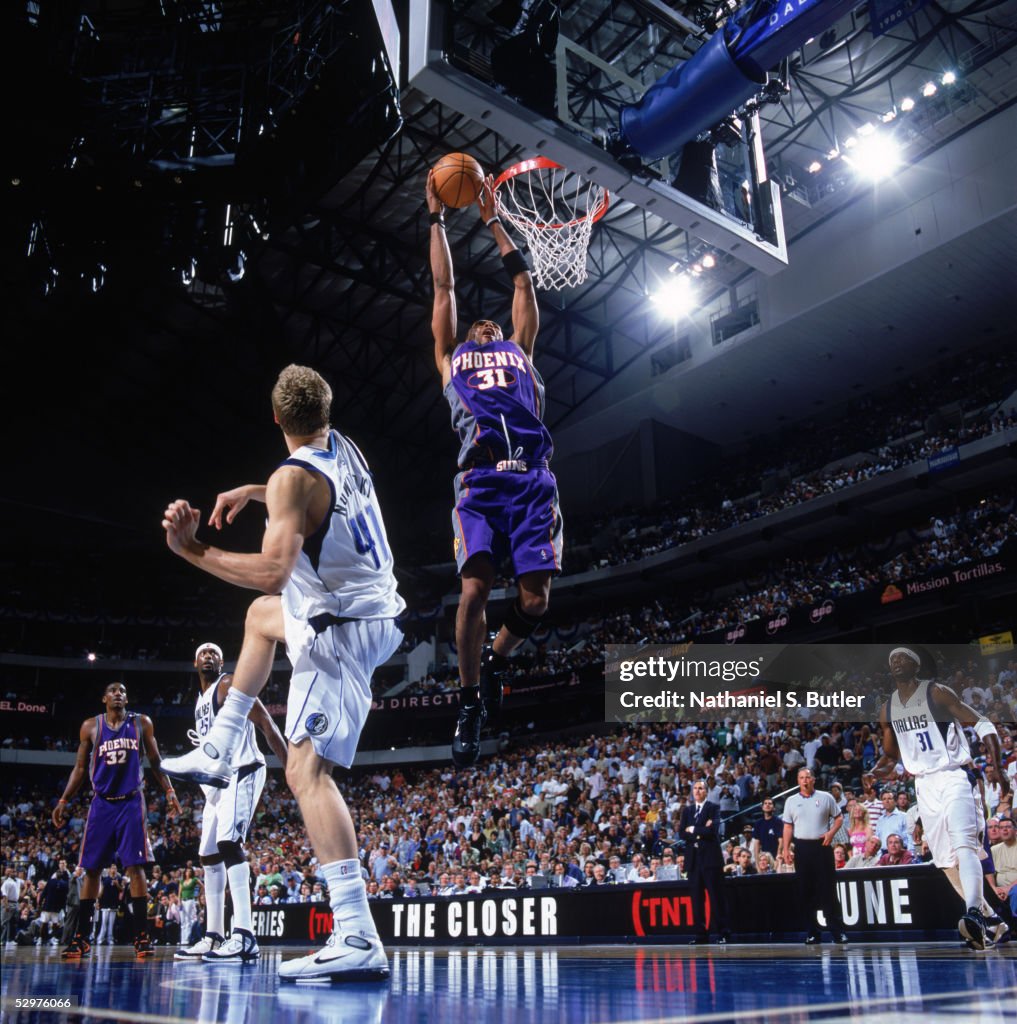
x: 316, y: 724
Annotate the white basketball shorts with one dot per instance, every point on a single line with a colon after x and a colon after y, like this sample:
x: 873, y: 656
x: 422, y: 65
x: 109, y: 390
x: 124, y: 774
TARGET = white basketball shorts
x: 228, y: 812
x: 330, y: 690
x: 948, y: 805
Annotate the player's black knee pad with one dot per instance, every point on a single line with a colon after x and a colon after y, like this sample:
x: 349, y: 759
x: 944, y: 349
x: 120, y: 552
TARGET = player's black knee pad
x: 520, y: 623
x: 232, y: 854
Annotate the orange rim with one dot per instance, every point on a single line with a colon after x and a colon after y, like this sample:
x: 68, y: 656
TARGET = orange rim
x: 543, y: 163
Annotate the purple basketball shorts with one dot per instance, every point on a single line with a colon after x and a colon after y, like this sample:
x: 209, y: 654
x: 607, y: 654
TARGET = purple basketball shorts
x: 115, y: 827
x: 508, y: 513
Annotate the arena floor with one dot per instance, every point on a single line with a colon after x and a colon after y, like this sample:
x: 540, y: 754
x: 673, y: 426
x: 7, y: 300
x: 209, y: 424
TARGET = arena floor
x: 929, y: 983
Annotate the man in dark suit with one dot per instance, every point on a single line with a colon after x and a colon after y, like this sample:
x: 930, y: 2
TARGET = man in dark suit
x: 704, y: 863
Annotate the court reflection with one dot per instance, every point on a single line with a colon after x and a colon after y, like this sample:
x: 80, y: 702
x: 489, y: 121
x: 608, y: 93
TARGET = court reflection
x: 525, y: 986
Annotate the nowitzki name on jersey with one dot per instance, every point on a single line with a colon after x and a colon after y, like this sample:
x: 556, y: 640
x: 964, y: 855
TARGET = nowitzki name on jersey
x: 693, y: 682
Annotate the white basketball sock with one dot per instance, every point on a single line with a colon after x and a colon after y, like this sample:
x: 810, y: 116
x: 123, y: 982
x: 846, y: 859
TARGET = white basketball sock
x: 348, y: 896
x: 228, y: 730
x: 240, y: 893
x: 215, y: 898
x: 969, y: 869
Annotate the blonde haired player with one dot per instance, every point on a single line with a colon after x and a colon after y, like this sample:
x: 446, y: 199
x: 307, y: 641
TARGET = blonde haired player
x: 326, y: 563
x: 922, y: 727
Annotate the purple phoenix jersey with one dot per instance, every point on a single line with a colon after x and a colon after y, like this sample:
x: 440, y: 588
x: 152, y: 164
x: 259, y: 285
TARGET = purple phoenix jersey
x: 116, y: 819
x: 497, y: 400
x: 116, y: 757
x: 506, y: 496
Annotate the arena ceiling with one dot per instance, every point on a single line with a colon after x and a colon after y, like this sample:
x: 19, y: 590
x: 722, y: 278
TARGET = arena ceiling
x: 146, y: 389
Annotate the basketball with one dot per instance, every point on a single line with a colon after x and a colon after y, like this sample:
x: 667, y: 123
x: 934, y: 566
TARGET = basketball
x: 457, y: 179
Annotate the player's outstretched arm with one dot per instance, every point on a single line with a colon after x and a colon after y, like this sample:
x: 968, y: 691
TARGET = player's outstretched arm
x: 972, y: 719
x: 154, y: 759
x: 525, y: 315
x: 232, y: 502
x: 444, y: 318
x: 267, y: 727
x: 287, y: 496
x: 86, y: 737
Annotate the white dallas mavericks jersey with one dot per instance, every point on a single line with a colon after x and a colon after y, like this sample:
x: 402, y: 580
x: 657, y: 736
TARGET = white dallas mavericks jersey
x: 926, y: 745
x: 205, y: 711
x: 345, y: 567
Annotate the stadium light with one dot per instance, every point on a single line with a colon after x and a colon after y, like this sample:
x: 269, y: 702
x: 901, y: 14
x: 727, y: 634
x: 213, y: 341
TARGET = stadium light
x: 907, y: 104
x: 929, y: 89
x: 815, y: 167
x: 949, y: 77
x: 875, y: 157
x: 675, y: 298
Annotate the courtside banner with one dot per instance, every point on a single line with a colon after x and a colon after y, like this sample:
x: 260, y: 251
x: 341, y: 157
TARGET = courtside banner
x: 915, y: 902
x: 773, y: 682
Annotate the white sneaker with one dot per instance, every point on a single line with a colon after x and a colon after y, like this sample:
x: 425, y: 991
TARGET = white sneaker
x: 203, y: 765
x: 998, y: 930
x: 209, y: 942
x: 350, y: 958
x: 240, y: 948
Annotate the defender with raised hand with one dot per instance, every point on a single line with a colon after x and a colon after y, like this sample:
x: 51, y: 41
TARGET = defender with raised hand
x: 326, y: 567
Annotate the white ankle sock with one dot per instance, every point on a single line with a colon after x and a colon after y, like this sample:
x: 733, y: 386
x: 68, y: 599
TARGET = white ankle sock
x: 240, y: 893
x: 348, y: 896
x: 215, y: 897
x: 970, y: 871
x: 225, y: 735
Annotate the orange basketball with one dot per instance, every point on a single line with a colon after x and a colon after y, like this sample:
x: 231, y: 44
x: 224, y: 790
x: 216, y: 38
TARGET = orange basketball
x: 457, y: 179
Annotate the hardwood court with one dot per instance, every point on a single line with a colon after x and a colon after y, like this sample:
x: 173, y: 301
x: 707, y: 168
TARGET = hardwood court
x: 931, y: 982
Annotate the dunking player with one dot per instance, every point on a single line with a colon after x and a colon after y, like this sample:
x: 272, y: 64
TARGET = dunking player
x: 921, y: 724
x: 506, y: 496
x: 226, y: 819
x: 325, y: 548
x: 116, y: 817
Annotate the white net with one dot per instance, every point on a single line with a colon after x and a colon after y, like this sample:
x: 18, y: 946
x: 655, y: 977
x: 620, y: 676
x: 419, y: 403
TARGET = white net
x: 555, y: 209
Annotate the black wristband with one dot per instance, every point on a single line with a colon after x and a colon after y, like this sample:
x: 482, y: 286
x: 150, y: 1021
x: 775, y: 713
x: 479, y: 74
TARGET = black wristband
x: 436, y: 217
x: 514, y: 263
x: 494, y: 220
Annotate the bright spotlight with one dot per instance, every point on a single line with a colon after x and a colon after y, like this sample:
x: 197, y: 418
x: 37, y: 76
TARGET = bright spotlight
x: 675, y: 298
x: 709, y: 261
x: 907, y: 104
x: 90, y: 656
x: 876, y: 157
x: 850, y: 142
x: 888, y: 116
x: 949, y: 77
x: 929, y: 89
x: 867, y: 129
x: 815, y: 167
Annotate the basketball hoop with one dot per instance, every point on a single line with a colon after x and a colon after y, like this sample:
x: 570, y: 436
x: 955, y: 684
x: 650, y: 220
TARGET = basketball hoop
x: 555, y: 209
